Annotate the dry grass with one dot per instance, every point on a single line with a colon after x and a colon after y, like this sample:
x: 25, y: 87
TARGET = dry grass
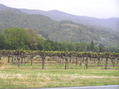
x: 54, y: 76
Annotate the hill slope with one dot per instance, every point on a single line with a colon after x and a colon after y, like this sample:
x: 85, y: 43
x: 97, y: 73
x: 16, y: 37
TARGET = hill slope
x: 55, y: 30
x: 112, y: 23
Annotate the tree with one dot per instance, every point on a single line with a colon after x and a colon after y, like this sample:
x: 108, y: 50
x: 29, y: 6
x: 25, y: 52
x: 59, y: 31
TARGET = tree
x: 2, y: 41
x: 92, y: 46
x: 101, y: 48
x: 16, y: 38
x: 33, y: 39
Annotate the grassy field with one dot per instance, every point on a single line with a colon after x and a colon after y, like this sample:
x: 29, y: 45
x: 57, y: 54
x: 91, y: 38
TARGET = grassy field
x: 54, y: 75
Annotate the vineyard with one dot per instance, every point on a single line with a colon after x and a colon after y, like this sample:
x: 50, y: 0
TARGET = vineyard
x: 35, y: 69
x: 51, y: 48
x: 85, y: 59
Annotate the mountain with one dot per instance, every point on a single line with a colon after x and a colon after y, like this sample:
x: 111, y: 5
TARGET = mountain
x: 3, y: 7
x: 57, y: 30
x: 112, y: 23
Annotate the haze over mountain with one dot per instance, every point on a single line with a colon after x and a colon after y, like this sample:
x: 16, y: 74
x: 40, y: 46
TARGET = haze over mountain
x: 60, y: 26
x: 112, y: 23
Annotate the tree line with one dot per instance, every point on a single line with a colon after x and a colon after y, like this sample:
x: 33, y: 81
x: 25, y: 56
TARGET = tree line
x: 27, y: 39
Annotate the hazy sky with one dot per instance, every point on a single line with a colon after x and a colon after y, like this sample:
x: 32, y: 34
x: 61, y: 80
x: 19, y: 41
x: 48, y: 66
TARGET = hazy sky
x: 93, y: 8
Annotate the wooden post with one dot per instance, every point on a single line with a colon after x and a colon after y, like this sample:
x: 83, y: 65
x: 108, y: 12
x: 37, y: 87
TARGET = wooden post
x: 76, y: 60
x: 66, y: 62
x: 43, y: 63
x: 18, y: 62
x: 43, y: 59
x: 106, y: 63
x: 113, y: 63
x: 8, y: 59
x: 86, y: 62
x: 98, y: 61
x: 81, y: 60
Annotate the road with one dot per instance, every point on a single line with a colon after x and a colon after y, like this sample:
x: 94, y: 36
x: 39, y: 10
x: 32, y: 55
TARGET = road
x: 87, y: 87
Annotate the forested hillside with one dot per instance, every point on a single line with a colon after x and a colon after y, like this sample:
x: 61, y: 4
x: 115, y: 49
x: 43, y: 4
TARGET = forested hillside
x: 112, y: 23
x: 55, y: 30
x: 28, y: 39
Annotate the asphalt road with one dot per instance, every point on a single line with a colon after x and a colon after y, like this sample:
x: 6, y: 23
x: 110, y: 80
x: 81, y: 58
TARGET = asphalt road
x: 87, y: 87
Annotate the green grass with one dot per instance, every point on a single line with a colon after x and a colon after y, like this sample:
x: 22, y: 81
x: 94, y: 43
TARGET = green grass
x: 54, y: 75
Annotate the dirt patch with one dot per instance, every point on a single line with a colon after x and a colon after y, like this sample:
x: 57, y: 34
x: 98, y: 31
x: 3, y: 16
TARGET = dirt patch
x: 98, y: 77
x: 12, y: 76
